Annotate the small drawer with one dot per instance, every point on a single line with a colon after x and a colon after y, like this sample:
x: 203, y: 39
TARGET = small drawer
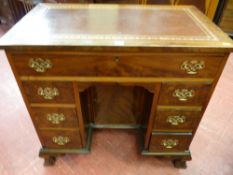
x: 184, y: 94
x: 176, y: 119
x: 170, y: 142
x: 55, y: 117
x: 61, y: 139
x: 99, y: 64
x: 49, y: 92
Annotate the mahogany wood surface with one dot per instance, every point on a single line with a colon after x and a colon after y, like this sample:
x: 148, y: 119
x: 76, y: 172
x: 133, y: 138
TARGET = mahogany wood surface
x: 200, y: 94
x: 41, y: 117
x: 117, y: 65
x: 73, y: 135
x: 182, y: 138
x: 117, y: 104
x: 65, y: 90
x: 191, y: 118
x: 83, y: 133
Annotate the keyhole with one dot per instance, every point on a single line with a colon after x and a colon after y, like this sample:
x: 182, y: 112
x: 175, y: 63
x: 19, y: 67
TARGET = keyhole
x: 117, y: 59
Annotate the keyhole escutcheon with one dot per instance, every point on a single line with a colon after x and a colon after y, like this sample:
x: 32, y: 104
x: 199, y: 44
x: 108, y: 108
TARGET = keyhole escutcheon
x: 117, y: 59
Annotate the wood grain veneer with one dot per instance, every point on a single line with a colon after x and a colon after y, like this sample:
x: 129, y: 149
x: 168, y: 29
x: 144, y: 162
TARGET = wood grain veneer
x: 191, y: 118
x: 65, y: 90
x: 118, y: 65
x: 41, y: 117
x: 74, y: 138
x: 183, y: 141
x: 200, y: 94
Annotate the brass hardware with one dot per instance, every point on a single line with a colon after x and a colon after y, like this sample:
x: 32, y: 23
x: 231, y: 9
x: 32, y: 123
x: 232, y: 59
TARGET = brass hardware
x: 183, y: 94
x: 169, y: 143
x: 48, y: 93
x: 192, y: 67
x: 60, y: 140
x: 176, y: 120
x: 56, y: 118
x: 39, y: 64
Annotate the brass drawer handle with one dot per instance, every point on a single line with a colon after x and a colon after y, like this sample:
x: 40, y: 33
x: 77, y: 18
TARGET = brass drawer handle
x: 48, y: 93
x: 60, y: 140
x: 176, y: 120
x: 192, y: 67
x: 39, y: 64
x: 56, y: 118
x: 183, y: 94
x: 169, y: 143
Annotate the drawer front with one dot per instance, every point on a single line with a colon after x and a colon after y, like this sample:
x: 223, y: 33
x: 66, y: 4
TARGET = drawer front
x: 61, y: 139
x: 55, y: 117
x: 104, y: 65
x: 49, y: 92
x: 176, y: 120
x: 184, y: 94
x: 170, y: 142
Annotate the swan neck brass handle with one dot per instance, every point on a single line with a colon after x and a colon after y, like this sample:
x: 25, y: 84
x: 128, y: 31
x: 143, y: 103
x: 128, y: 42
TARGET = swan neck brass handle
x: 176, y: 120
x: 193, y: 66
x: 169, y: 143
x: 48, y: 93
x: 183, y: 94
x: 56, y: 118
x: 60, y: 140
x: 39, y: 64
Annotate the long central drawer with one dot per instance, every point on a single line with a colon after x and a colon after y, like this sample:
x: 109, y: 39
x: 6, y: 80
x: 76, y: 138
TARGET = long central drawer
x: 158, y: 65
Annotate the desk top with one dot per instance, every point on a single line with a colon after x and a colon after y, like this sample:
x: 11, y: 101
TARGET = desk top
x: 115, y: 25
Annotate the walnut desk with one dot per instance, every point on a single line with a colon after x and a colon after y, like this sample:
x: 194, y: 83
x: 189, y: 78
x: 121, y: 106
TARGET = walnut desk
x: 151, y: 68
